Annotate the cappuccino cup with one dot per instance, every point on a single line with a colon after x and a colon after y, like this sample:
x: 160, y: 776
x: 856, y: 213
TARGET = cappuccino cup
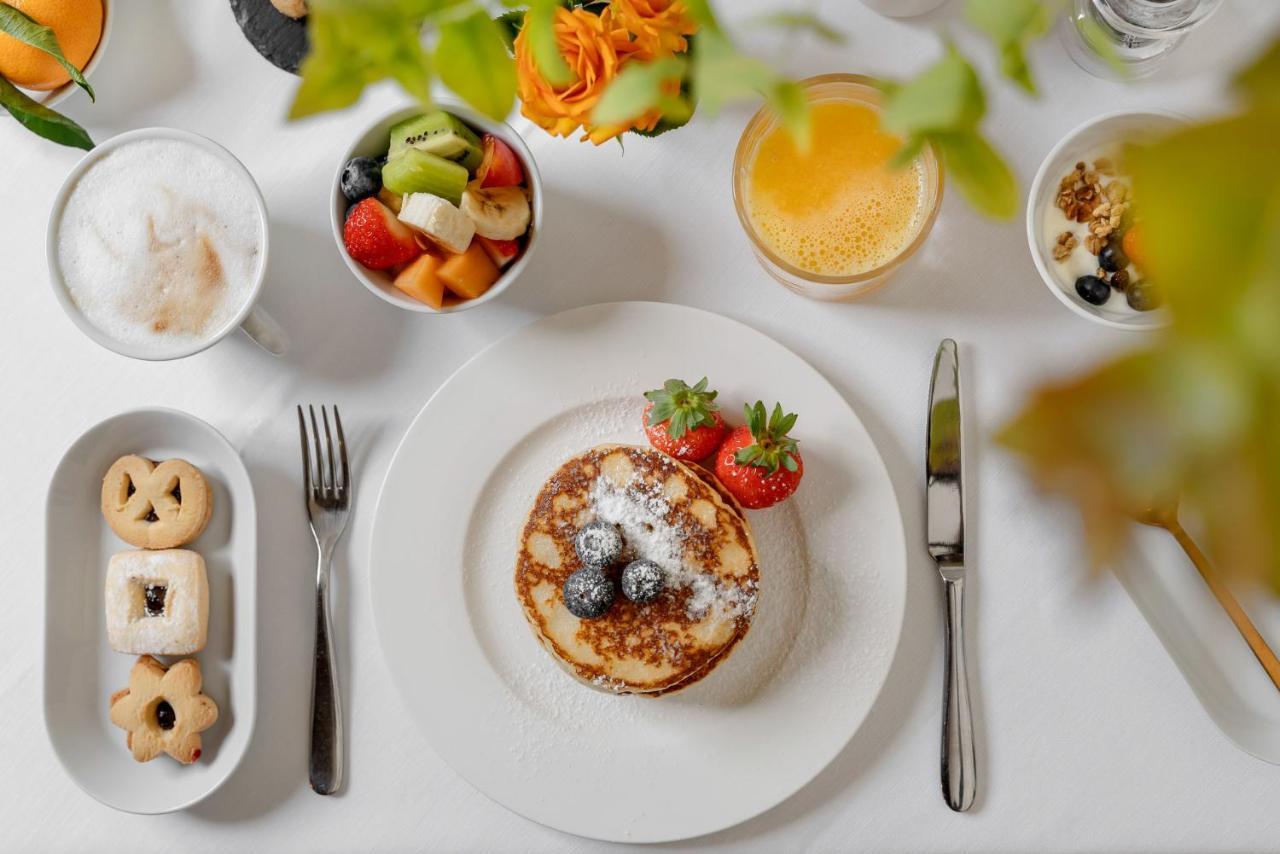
x: 157, y: 246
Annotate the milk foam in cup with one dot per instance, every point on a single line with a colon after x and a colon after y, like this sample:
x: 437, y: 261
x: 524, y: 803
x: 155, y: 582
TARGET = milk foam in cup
x: 158, y: 242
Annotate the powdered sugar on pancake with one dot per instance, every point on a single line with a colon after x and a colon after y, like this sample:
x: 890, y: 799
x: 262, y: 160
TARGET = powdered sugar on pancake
x: 641, y: 511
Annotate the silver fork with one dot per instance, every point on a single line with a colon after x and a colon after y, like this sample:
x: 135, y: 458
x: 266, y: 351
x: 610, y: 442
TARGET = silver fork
x: 327, y: 489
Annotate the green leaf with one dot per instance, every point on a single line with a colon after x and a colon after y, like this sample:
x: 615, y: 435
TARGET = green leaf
x: 721, y: 74
x: 1100, y: 43
x: 41, y: 120
x: 540, y: 20
x: 701, y: 11
x: 788, y: 100
x: 31, y: 32
x: 1260, y: 82
x: 980, y: 173
x: 332, y: 77
x: 909, y: 151
x: 802, y: 21
x: 1011, y: 24
x: 333, y: 73
x: 637, y: 90
x: 411, y: 68
x: 472, y: 60
x: 947, y: 97
x: 1215, y: 223
x: 509, y: 23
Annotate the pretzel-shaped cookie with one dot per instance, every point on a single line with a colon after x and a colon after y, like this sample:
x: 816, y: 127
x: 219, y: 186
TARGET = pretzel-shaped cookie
x: 163, y: 710
x: 156, y: 506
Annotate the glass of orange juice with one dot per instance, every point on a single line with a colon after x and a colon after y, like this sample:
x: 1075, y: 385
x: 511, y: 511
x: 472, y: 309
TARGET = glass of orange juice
x: 833, y: 221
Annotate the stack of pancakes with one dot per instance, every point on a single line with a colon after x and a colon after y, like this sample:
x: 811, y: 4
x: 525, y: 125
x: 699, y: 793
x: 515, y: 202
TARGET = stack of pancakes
x: 674, y: 514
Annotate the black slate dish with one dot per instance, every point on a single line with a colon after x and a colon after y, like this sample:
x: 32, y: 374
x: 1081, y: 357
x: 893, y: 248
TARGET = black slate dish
x: 281, y: 40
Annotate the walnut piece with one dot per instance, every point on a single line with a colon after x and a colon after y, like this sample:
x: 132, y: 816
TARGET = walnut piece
x: 1065, y: 244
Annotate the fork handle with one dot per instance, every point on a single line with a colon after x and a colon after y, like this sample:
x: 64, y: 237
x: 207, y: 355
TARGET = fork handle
x: 326, y: 706
x: 959, y: 762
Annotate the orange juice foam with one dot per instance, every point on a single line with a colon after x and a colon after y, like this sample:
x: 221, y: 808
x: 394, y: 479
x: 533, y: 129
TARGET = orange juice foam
x: 837, y: 209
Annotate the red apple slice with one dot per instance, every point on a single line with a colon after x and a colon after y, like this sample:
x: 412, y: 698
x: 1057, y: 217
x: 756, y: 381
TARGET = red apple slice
x: 500, y: 166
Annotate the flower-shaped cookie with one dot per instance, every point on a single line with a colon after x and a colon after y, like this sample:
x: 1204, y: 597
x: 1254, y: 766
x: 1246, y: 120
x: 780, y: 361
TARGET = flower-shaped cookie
x: 163, y: 710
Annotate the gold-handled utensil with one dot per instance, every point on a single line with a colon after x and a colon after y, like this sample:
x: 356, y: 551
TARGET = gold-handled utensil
x: 1166, y: 516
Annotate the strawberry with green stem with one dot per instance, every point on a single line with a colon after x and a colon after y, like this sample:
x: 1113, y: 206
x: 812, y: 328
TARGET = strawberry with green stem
x: 684, y: 421
x: 760, y: 463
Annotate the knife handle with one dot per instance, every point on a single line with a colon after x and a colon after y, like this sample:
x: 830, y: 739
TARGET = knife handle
x: 959, y: 763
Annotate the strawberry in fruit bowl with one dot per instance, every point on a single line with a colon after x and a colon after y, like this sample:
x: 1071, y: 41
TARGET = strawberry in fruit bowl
x: 759, y: 463
x: 684, y: 421
x: 376, y: 238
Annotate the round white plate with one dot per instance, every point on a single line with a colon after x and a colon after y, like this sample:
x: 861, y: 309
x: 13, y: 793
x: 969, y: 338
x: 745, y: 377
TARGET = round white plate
x: 497, y: 708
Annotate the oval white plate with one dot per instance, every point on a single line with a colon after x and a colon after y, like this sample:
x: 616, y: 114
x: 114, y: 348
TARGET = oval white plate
x: 490, y: 700
x: 81, y: 670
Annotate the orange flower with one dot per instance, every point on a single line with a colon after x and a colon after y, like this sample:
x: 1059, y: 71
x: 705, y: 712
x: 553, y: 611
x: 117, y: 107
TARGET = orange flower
x: 595, y: 48
x: 659, y: 26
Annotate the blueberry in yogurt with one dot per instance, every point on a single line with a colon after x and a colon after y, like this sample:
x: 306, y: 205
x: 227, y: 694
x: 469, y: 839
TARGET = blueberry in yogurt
x: 1093, y: 290
x: 1111, y: 258
x: 1142, y: 296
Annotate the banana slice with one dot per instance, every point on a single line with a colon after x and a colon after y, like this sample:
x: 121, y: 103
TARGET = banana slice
x: 500, y: 213
x: 439, y: 220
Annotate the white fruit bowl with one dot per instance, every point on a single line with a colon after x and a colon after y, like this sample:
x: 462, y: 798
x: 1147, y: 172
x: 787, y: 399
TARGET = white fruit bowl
x: 372, y: 142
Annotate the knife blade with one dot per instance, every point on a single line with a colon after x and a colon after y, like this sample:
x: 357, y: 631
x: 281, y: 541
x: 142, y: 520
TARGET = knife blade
x: 943, y: 486
x: 944, y: 496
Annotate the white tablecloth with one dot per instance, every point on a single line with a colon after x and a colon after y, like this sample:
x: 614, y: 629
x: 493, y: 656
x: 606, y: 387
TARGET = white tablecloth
x: 1089, y: 737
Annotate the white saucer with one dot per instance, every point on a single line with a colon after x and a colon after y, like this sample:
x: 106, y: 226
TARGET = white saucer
x: 491, y: 701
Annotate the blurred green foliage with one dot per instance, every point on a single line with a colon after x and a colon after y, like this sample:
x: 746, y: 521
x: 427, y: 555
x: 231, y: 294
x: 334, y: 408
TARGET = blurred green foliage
x: 1195, y: 417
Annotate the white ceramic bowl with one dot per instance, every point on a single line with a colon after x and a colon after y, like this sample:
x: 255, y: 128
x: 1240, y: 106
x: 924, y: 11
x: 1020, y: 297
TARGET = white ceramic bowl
x: 373, y: 143
x: 54, y: 96
x: 1099, y: 131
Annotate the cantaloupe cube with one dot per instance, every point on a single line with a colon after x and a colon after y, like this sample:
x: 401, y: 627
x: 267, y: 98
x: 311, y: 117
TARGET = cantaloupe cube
x: 470, y: 274
x: 421, y: 280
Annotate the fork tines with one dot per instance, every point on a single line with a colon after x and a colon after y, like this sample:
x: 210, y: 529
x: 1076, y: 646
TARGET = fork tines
x: 326, y: 476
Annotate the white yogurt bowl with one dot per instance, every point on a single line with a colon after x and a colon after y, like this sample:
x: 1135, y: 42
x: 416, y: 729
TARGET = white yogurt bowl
x: 373, y: 143
x: 1080, y: 144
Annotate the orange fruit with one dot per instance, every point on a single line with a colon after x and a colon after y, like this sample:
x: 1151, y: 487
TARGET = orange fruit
x: 1134, y: 247
x: 78, y: 26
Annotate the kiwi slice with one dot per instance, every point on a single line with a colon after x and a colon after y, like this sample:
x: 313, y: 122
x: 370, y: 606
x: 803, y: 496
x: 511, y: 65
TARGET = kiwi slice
x: 414, y: 171
x: 441, y: 134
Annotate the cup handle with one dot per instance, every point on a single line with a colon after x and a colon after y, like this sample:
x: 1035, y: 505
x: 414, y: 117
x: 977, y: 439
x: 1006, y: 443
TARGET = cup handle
x: 266, y: 332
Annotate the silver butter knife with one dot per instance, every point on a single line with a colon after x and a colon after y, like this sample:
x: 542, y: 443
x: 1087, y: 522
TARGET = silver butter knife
x: 944, y: 490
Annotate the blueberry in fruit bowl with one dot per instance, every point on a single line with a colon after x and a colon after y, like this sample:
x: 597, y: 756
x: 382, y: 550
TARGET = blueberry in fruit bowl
x: 361, y: 178
x: 1093, y: 290
x: 642, y: 581
x: 1112, y: 259
x: 589, y: 593
x: 1142, y: 296
x: 598, y: 544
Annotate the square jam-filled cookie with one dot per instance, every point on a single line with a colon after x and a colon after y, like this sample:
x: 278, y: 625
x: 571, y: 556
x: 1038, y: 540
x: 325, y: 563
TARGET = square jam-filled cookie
x: 157, y: 602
